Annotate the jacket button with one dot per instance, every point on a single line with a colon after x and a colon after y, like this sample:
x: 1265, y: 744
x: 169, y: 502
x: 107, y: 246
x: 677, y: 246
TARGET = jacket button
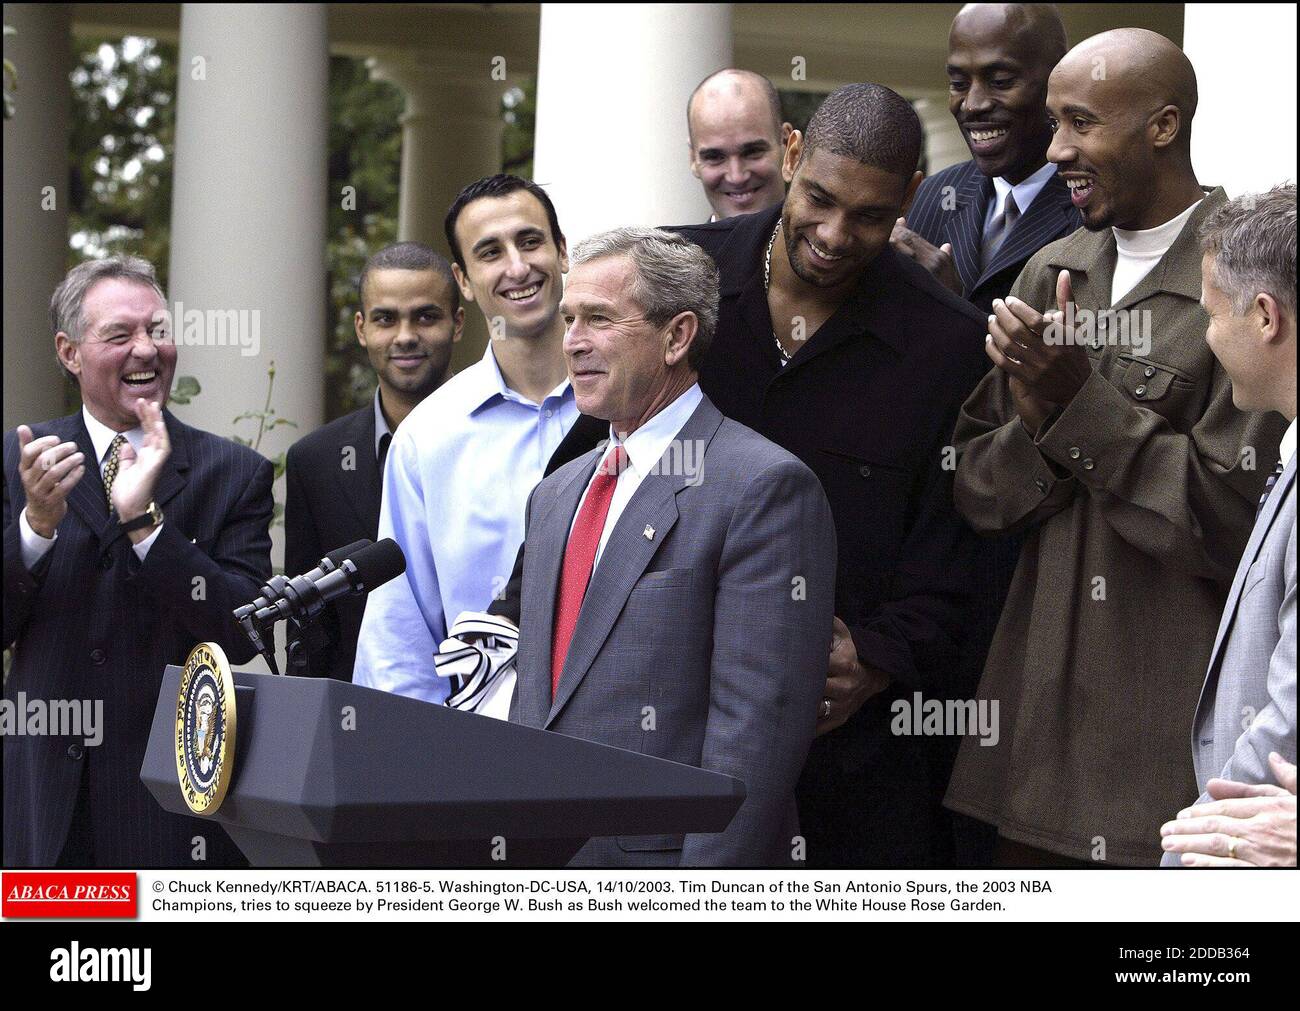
x: 864, y: 470
x: 1074, y: 453
x: 75, y: 752
x: 1141, y: 391
x: 1088, y: 464
x: 1041, y: 485
x: 106, y: 561
x: 1149, y: 372
x: 97, y: 656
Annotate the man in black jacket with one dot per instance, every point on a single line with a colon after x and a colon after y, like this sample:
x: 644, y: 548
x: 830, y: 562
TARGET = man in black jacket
x: 410, y: 317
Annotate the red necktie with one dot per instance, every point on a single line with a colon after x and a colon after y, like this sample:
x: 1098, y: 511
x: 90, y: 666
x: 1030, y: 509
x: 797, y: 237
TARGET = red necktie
x: 580, y: 557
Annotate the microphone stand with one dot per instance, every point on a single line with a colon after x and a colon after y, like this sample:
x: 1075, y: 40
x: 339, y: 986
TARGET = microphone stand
x: 246, y: 616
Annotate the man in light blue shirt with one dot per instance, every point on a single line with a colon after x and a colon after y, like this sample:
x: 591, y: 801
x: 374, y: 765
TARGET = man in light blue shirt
x: 462, y: 465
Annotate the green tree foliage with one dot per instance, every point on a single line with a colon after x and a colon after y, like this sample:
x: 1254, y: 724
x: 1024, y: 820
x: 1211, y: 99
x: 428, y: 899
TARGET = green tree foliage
x: 120, y: 151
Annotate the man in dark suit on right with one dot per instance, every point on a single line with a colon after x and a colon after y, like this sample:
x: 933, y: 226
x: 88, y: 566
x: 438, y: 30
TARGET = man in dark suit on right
x: 974, y: 225
x: 410, y: 317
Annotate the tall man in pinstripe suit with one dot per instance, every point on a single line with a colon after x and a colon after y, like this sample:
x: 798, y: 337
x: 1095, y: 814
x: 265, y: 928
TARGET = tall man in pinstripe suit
x: 128, y: 538
x: 974, y: 225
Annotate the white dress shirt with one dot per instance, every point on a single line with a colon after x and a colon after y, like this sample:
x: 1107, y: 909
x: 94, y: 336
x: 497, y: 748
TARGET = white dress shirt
x: 1025, y: 191
x: 644, y: 447
x: 34, y: 545
x: 1286, y: 450
x: 1138, y: 252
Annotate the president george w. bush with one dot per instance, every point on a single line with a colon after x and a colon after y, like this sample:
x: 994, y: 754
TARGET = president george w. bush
x: 678, y: 582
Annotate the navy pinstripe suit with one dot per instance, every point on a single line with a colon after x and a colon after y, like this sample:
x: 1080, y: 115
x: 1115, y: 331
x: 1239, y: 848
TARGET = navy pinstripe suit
x: 950, y: 207
x: 94, y: 622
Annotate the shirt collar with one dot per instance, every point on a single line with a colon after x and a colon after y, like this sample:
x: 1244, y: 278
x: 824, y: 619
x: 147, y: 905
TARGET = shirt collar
x: 488, y: 383
x: 101, y: 436
x: 1152, y: 240
x: 1287, y: 449
x: 648, y: 443
x: 381, y: 424
x: 1025, y: 190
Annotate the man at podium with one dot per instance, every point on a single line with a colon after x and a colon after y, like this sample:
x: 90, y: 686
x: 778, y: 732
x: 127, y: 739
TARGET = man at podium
x: 678, y: 581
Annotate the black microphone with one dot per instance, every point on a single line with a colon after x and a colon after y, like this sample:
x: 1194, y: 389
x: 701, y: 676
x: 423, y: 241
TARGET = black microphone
x: 374, y: 565
x: 274, y: 589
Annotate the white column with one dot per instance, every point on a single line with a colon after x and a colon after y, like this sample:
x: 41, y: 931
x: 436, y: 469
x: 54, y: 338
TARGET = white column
x: 35, y: 209
x: 612, y: 85
x: 248, y: 211
x: 451, y: 136
x: 1244, y: 134
x: 944, y: 143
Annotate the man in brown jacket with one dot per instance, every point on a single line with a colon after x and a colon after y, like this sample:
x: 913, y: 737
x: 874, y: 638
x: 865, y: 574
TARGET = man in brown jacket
x: 1107, y: 433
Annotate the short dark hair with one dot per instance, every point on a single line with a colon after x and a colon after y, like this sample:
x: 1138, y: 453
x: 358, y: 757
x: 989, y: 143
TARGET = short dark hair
x: 409, y: 256
x: 498, y: 185
x: 869, y: 123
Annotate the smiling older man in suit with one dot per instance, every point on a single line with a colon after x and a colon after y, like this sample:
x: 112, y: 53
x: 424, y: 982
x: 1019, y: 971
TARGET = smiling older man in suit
x: 129, y: 538
x: 677, y: 585
x: 1247, y: 709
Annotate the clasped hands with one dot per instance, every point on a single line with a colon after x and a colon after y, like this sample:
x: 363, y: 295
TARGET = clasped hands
x: 1045, y: 366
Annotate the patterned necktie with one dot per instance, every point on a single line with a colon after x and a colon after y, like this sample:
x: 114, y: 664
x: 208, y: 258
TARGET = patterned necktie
x: 110, y: 466
x: 580, y: 557
x: 998, y: 231
x: 1268, y: 488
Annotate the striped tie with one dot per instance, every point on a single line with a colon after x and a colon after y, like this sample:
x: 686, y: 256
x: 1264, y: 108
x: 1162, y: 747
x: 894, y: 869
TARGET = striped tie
x: 1268, y: 488
x: 110, y: 466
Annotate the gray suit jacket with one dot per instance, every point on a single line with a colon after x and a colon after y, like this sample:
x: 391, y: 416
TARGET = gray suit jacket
x: 704, y: 643
x: 1248, y: 703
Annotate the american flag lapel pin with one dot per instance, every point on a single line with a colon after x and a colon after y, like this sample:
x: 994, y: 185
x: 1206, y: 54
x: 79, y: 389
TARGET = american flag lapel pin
x: 648, y: 533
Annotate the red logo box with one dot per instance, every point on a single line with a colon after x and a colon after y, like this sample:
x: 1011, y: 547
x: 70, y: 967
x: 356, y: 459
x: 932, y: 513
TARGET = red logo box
x: 78, y: 894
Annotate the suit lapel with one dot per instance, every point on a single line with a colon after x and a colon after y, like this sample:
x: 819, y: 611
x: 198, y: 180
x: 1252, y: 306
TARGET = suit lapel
x: 364, y: 491
x: 1258, y: 535
x: 625, y: 557
x: 87, y: 498
x: 965, y: 228
x: 1052, y: 205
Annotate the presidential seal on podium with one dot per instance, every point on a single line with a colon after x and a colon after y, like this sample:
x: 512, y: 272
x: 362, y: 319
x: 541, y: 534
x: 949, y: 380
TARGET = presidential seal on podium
x: 205, y: 728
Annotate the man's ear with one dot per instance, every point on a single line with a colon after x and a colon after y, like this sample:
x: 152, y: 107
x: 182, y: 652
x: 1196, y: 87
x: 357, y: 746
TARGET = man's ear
x: 787, y: 131
x: 69, y: 352
x: 359, y: 324
x: 564, y: 256
x: 1268, y: 317
x: 462, y: 282
x: 793, y: 149
x: 1165, y: 126
x: 910, y: 194
x: 681, y: 334
x: 458, y: 324
x: 691, y: 160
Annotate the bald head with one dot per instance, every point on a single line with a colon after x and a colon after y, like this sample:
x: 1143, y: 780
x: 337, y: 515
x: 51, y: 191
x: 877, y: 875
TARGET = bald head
x: 737, y: 141
x: 999, y: 60
x: 1135, y: 65
x: 1121, y: 104
x: 733, y: 90
x: 1033, y: 32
